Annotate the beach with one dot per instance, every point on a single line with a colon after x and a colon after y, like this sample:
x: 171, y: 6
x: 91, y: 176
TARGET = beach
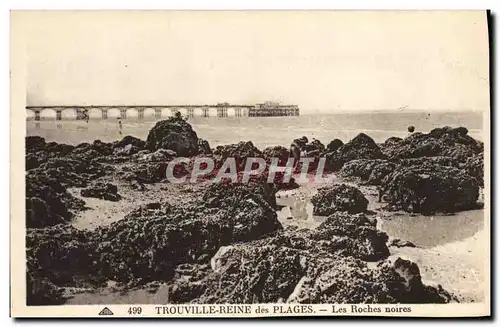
x: 447, y: 247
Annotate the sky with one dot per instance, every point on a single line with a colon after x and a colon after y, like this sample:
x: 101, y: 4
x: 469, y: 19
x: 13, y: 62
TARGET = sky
x: 322, y: 61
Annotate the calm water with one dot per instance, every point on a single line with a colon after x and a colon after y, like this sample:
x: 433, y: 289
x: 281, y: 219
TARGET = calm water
x: 265, y: 131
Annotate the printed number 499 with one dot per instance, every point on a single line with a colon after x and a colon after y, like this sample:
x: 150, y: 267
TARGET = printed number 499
x: 134, y: 310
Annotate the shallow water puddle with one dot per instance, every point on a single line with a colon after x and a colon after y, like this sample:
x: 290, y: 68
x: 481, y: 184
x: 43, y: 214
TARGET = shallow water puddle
x: 430, y: 231
x: 423, y: 231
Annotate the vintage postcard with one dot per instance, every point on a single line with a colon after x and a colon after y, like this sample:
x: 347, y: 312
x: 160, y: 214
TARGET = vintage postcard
x: 250, y: 163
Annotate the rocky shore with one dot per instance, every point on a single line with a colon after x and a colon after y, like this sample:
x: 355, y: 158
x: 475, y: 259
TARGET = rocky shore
x: 224, y: 243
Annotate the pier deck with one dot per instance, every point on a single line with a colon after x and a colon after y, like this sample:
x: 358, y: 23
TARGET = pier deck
x: 140, y: 112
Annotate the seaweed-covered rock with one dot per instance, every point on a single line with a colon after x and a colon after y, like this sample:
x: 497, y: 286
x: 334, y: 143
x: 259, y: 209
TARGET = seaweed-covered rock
x: 360, y: 147
x: 280, y: 152
x: 60, y: 255
x: 204, y: 147
x: 293, y: 269
x: 474, y: 166
x: 429, y: 189
x: 41, y: 291
x: 445, y: 141
x: 47, y: 201
x: 240, y: 152
x: 334, y: 145
x: 130, y: 140
x: 174, y: 134
x: 363, y: 168
x: 34, y: 160
x: 391, y: 141
x: 314, y: 148
x: 217, y: 194
x: 73, y: 172
x: 339, y: 197
x: 34, y: 143
x: 160, y: 155
x: 149, y: 243
x: 101, y: 190
x: 352, y: 235
x: 103, y: 148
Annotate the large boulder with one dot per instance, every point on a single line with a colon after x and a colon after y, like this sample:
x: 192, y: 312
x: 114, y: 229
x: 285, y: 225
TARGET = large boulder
x: 174, y: 134
x: 338, y: 197
x: 429, y: 189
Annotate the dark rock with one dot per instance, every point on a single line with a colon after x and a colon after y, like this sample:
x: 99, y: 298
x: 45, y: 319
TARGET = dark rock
x: 160, y: 155
x: 292, y: 269
x: 58, y: 256
x: 100, y: 190
x: 40, y: 291
x: 280, y: 152
x: 130, y: 140
x: 429, y: 189
x: 34, y: 160
x: 363, y: 168
x: 360, y: 147
x: 204, y: 147
x: 334, y: 145
x: 151, y: 241
x: 401, y: 243
x: 34, y: 143
x: 240, y: 152
x: 174, y: 134
x: 411, y: 129
x: 73, y: 172
x: 339, y: 197
x: 217, y: 194
x: 393, y: 140
x: 474, y: 166
x: 104, y: 149
x: 445, y: 141
x: 47, y: 201
x: 353, y: 235
x: 314, y: 148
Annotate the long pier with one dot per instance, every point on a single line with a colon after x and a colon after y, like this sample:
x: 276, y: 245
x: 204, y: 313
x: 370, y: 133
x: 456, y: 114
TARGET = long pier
x: 267, y: 109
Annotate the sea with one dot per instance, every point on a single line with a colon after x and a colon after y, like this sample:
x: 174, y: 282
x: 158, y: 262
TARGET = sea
x: 265, y: 131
